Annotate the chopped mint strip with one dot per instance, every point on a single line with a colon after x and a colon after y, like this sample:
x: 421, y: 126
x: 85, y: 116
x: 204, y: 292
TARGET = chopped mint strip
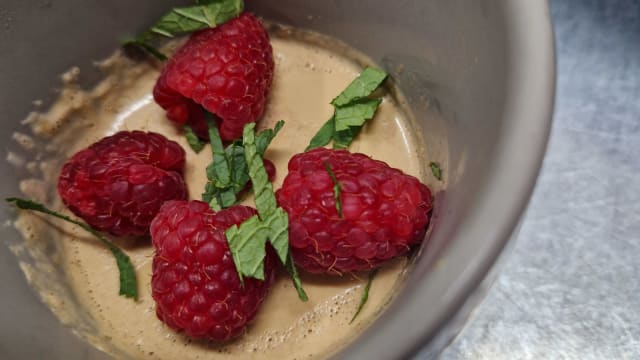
x: 262, y: 188
x: 247, y: 242
x: 263, y: 139
x: 128, y: 281
x: 219, y: 172
x: 247, y: 245
x: 365, y: 295
x: 337, y: 189
x: 295, y: 278
x: 363, y: 86
x: 436, y: 170
x: 225, y: 192
x: 324, y: 135
x: 143, y: 43
x: 205, y: 14
x: 352, y: 108
x: 355, y: 114
x: 182, y: 20
x: 192, y: 139
x: 278, y: 225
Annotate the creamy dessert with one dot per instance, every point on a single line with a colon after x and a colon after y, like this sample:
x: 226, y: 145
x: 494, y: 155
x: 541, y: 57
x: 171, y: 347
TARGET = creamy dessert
x: 309, y: 73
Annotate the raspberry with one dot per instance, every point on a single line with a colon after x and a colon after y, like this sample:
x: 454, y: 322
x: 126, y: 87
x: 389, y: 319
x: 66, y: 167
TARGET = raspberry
x: 195, y: 283
x: 384, y: 211
x: 227, y: 70
x: 118, y: 184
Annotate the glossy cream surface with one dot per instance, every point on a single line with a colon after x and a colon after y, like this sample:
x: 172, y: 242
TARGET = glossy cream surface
x: 307, y: 78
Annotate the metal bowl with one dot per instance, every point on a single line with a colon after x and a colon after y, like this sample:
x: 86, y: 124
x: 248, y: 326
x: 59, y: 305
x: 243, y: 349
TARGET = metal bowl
x: 478, y: 76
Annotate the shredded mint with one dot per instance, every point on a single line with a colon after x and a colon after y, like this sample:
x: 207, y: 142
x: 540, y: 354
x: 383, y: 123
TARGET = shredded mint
x: 247, y: 241
x: 247, y: 244
x: 365, y: 295
x: 128, y: 281
x: 222, y: 192
x: 363, y: 86
x: 352, y: 108
x: 297, y: 283
x: 262, y: 188
x: 337, y: 189
x: 436, y: 170
x: 324, y: 135
x: 143, y: 42
x: 192, y: 139
x: 355, y: 114
x: 205, y: 14
x: 182, y: 20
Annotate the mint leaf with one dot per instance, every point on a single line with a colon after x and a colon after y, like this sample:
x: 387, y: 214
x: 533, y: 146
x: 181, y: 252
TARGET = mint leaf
x: 324, y: 135
x: 182, y: 20
x: 128, y: 281
x: 263, y: 139
x: 342, y: 139
x: 205, y: 14
x: 247, y: 245
x: 355, y: 114
x: 143, y: 43
x: 364, y: 85
x: 220, y: 171
x: 192, y: 139
x: 337, y: 189
x: 278, y: 225
x: 436, y: 170
x: 247, y: 241
x: 352, y: 108
x: 218, y: 188
x: 365, y: 295
x: 295, y: 278
x: 262, y: 188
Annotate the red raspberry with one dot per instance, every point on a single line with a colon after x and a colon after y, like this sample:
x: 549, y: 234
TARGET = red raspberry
x: 195, y: 283
x: 228, y: 70
x: 384, y: 211
x: 119, y: 183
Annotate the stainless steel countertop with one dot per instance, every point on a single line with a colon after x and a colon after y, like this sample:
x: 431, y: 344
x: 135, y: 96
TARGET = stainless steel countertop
x: 570, y: 289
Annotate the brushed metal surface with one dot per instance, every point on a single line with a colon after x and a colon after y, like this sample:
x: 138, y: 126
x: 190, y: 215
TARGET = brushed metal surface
x: 571, y: 287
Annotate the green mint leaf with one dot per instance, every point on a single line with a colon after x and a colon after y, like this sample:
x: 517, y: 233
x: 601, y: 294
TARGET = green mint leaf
x: 273, y: 223
x: 355, y: 114
x: 247, y: 245
x: 352, y: 108
x: 128, y: 281
x: 262, y: 188
x: 295, y: 278
x: 365, y: 295
x: 205, y: 14
x: 342, y: 139
x: 143, y: 43
x: 436, y: 170
x: 217, y: 188
x: 220, y: 171
x: 263, y: 139
x: 193, y: 140
x: 364, y: 85
x: 278, y: 225
x: 337, y: 189
x: 323, y: 136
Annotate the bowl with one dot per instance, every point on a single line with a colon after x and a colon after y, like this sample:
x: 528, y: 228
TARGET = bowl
x: 478, y: 77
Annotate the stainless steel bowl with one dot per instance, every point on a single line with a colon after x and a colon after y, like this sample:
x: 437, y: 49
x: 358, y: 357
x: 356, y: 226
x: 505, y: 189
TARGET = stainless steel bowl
x: 478, y: 76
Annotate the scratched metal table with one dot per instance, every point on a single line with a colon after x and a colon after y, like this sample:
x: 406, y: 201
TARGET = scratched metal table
x: 570, y: 289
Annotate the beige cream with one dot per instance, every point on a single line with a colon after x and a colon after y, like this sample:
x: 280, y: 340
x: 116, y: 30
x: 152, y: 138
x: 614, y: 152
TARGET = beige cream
x: 307, y: 77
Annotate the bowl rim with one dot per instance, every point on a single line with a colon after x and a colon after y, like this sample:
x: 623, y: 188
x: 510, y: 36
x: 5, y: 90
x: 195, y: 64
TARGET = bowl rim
x: 531, y: 61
